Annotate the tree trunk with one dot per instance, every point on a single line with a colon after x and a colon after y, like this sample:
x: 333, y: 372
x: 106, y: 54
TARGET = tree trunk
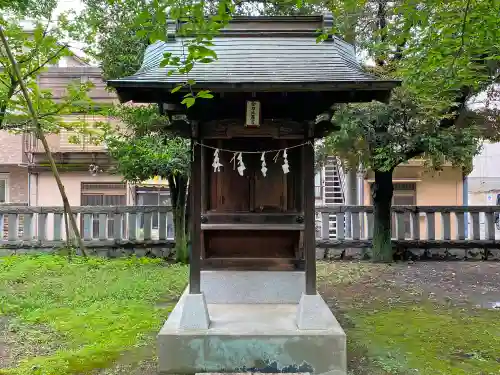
x: 181, y: 253
x: 382, y: 201
x: 188, y: 210
x: 178, y: 187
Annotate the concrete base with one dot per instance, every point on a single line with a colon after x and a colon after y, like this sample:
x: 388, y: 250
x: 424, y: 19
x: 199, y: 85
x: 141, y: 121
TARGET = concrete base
x: 194, y: 312
x: 253, y: 337
x: 313, y: 313
x: 252, y: 286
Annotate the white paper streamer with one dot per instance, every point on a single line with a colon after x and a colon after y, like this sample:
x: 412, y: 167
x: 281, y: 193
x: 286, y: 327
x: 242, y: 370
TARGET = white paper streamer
x: 285, y: 166
x: 216, y: 164
x: 241, y: 165
x: 263, y: 160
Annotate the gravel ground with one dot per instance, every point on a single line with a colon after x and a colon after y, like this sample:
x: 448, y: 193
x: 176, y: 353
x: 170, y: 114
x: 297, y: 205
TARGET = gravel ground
x: 459, y: 282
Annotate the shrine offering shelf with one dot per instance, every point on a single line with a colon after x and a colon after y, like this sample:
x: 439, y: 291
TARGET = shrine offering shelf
x: 237, y: 226
x: 252, y: 264
x: 253, y: 218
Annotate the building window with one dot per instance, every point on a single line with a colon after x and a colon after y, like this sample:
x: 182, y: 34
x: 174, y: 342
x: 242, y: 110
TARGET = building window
x: 318, y: 185
x: 4, y: 188
x: 155, y: 197
x: 405, y: 194
x: 103, y: 194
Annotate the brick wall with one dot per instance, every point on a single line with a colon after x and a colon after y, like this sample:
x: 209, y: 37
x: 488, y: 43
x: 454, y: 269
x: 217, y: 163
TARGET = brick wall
x: 17, y: 181
x: 11, y: 148
x: 18, y: 193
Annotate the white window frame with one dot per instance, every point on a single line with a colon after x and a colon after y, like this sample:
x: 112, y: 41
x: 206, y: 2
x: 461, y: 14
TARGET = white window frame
x: 321, y: 187
x: 6, y: 178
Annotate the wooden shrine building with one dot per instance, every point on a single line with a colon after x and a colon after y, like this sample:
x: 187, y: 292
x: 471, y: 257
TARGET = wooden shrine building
x: 252, y: 176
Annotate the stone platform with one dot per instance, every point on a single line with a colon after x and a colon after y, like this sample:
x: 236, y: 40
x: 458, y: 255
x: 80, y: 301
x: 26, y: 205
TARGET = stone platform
x: 242, y: 334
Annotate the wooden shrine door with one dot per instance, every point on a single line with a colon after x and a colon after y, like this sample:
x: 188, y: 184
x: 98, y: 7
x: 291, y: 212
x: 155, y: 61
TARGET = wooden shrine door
x: 252, y: 192
x: 269, y: 192
x: 233, y: 190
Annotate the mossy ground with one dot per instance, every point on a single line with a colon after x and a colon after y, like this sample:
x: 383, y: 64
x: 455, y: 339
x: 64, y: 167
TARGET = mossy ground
x: 100, y: 316
x: 80, y: 316
x: 400, y: 325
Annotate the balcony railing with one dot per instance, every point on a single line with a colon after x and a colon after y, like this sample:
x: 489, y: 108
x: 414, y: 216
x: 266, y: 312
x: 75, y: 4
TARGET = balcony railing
x: 67, y: 141
x: 422, y: 227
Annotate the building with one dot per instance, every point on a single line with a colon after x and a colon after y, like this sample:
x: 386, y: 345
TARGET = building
x: 414, y: 184
x: 484, y: 181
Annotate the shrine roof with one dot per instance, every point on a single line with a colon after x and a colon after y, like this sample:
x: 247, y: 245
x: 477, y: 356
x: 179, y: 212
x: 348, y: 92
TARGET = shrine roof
x: 260, y: 54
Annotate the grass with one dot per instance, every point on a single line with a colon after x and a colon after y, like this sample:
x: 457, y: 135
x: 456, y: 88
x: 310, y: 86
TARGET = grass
x: 100, y: 317
x: 85, y: 314
x: 398, y: 330
x: 431, y: 340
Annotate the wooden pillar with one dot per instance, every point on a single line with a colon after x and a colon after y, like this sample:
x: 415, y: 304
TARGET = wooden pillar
x: 309, y: 218
x: 196, y: 185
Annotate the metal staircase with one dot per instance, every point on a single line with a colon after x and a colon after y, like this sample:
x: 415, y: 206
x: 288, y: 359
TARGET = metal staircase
x: 334, y: 188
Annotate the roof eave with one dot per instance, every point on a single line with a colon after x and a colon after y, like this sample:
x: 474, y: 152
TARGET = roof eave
x: 262, y: 86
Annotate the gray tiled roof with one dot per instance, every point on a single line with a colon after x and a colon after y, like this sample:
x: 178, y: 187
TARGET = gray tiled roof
x: 287, y: 59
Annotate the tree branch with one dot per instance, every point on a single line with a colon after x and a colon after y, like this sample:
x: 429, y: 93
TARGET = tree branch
x: 456, y: 109
x: 412, y: 154
x: 462, y: 37
x: 37, y: 47
x: 52, y: 57
x: 4, y: 82
x: 382, y: 24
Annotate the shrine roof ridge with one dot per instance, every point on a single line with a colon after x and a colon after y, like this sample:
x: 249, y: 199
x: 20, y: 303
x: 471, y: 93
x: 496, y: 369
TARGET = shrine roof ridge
x: 283, y: 26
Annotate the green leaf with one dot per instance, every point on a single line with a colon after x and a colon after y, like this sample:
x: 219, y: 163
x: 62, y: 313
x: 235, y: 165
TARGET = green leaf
x: 189, y: 101
x: 206, y: 60
x: 205, y: 94
x: 176, y: 88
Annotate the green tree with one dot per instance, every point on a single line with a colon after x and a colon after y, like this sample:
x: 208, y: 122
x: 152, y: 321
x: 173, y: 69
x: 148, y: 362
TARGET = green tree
x: 110, y: 33
x: 143, y: 147
x: 35, y: 46
x: 381, y: 136
x: 27, y: 48
x: 444, y: 56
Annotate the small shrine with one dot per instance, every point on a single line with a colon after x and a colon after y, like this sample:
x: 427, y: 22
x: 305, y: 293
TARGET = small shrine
x: 251, y: 303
